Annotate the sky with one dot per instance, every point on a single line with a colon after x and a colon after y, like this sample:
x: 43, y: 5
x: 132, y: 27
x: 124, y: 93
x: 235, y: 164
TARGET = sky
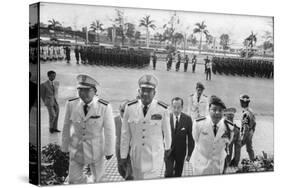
x: 238, y: 27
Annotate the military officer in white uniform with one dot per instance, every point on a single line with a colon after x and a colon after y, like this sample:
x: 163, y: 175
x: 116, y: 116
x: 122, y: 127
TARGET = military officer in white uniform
x: 198, y: 103
x: 211, y: 136
x: 146, y: 131
x: 88, y: 132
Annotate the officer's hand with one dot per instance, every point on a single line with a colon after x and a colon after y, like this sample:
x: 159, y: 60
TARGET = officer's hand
x: 108, y: 157
x: 187, y: 158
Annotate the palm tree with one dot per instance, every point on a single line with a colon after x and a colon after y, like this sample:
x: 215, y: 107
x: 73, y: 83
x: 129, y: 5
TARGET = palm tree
x: 53, y: 24
x: 251, y: 40
x: 97, y: 27
x: 147, y: 23
x: 201, y: 29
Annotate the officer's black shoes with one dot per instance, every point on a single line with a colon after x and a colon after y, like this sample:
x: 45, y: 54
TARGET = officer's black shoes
x: 56, y: 130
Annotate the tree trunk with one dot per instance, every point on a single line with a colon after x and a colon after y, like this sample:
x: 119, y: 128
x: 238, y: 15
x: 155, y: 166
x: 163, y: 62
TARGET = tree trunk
x: 147, y: 37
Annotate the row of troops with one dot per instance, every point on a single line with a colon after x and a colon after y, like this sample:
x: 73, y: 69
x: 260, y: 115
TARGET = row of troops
x: 146, y: 134
x: 243, y: 67
x: 178, y: 59
x: 113, y: 57
x: 52, y: 52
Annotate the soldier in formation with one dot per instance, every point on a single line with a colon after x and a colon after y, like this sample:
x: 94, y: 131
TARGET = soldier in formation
x: 52, y: 52
x: 208, y: 68
x: 186, y: 59
x: 178, y: 61
x: 243, y: 67
x: 194, y: 62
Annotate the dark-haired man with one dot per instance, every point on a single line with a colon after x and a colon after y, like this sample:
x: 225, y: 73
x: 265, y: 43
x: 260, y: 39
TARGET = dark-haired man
x: 49, y: 93
x: 211, y: 135
x: 182, y: 140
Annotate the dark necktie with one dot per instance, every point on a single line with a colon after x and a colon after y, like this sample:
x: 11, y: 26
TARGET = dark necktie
x: 215, y: 129
x: 85, y: 108
x: 198, y: 98
x: 177, y: 123
x: 145, y: 108
x: 53, y: 87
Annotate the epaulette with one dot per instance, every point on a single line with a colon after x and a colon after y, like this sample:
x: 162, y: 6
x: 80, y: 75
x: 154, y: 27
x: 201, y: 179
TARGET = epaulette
x: 103, y: 102
x: 200, y: 119
x: 236, y: 126
x: 227, y: 122
x: 205, y: 95
x: 162, y: 104
x: 73, y: 99
x: 133, y: 102
x: 191, y: 95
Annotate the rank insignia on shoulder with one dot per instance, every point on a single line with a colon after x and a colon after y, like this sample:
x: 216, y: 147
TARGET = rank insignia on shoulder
x: 73, y: 99
x: 200, y: 118
x: 103, y: 102
x: 133, y: 102
x: 228, y: 122
x: 191, y: 95
x: 156, y: 117
x: 205, y: 95
x: 164, y: 105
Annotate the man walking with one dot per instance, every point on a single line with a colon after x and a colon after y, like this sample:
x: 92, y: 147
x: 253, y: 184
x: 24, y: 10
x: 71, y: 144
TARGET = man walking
x: 146, y: 131
x: 211, y: 136
x: 182, y: 140
x: 88, y: 132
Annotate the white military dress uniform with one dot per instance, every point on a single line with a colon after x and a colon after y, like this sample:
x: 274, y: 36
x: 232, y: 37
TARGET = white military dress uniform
x: 88, y: 138
x: 198, y: 109
x: 209, y: 154
x: 146, y: 137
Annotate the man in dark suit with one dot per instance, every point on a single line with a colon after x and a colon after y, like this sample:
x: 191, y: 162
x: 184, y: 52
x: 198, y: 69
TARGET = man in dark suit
x: 49, y: 91
x: 182, y: 140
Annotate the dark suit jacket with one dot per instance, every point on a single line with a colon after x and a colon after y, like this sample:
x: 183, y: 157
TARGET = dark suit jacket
x: 48, y: 94
x: 181, y: 136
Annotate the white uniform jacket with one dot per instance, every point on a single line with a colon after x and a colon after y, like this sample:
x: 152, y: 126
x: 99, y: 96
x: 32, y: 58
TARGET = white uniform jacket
x: 93, y: 133
x: 147, y: 137
x: 197, y: 109
x: 210, y: 151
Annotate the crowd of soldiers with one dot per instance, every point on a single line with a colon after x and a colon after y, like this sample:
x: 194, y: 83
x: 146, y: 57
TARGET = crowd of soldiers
x: 243, y: 67
x: 111, y: 56
x: 96, y: 55
x: 52, y: 52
